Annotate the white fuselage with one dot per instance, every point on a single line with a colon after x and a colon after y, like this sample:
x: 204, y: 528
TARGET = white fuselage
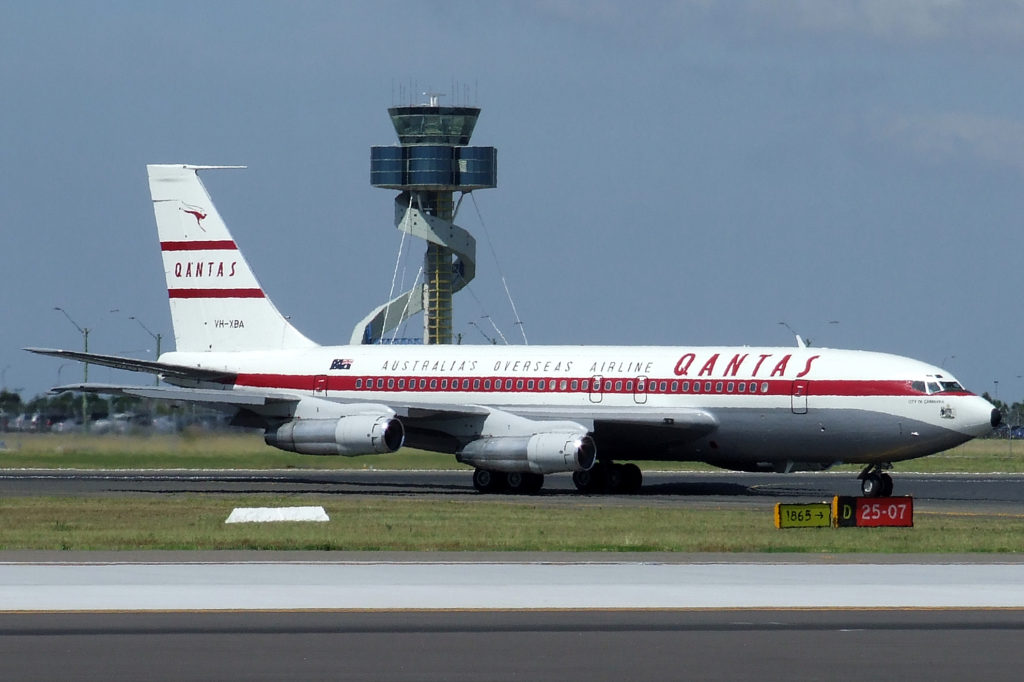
x: 780, y: 408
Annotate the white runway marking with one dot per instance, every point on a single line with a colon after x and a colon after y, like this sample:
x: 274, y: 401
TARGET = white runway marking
x: 438, y: 585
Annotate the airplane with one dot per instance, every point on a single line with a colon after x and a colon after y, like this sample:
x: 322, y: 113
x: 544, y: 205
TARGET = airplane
x: 518, y: 413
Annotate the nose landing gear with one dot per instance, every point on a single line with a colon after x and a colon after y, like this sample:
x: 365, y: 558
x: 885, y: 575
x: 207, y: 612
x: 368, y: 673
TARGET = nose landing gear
x: 874, y: 482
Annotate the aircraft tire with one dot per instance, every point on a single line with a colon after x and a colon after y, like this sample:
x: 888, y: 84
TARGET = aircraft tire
x: 632, y: 479
x: 594, y: 480
x: 615, y: 478
x: 486, y: 481
x: 886, y: 485
x: 532, y: 483
x: 514, y: 481
x: 871, y: 485
x: 523, y: 482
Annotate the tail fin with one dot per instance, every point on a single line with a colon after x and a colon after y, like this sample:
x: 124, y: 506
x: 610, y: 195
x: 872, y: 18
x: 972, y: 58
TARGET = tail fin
x: 216, y: 302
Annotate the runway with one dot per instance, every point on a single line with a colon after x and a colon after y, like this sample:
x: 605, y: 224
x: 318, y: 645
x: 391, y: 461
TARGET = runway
x: 207, y: 616
x: 969, y: 493
x: 591, y: 647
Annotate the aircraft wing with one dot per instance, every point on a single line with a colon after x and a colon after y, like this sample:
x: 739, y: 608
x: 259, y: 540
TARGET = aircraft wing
x: 136, y: 365
x: 699, y: 422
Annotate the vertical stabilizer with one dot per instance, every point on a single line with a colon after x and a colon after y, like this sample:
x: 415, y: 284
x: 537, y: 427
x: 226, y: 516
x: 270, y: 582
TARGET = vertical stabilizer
x: 216, y: 302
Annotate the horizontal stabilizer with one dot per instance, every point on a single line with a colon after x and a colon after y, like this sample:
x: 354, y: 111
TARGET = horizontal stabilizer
x: 136, y: 365
x: 198, y: 395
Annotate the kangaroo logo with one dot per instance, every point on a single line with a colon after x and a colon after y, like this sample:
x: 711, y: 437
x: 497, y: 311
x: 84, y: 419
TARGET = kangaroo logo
x: 196, y: 213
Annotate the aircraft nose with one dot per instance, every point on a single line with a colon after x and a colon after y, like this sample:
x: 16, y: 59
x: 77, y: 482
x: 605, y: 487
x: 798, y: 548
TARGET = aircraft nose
x: 978, y: 416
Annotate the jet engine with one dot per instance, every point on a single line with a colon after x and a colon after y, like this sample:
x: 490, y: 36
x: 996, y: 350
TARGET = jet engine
x: 541, y: 453
x: 358, y: 434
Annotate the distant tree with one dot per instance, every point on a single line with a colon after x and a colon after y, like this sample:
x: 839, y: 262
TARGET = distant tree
x: 10, y: 402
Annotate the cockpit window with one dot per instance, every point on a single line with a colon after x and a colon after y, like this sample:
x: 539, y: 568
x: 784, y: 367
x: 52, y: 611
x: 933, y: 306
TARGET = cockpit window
x: 941, y: 386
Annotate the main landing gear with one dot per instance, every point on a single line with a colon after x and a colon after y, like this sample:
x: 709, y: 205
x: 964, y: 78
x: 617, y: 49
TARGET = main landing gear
x: 515, y: 482
x: 608, y: 477
x: 602, y: 478
x: 874, y: 482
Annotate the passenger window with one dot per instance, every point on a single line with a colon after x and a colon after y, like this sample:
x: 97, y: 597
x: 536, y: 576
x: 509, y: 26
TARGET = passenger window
x: 618, y: 385
x: 359, y: 383
x: 476, y: 384
x: 686, y: 387
x: 508, y: 384
x: 663, y: 386
x: 487, y: 384
x: 465, y: 384
x: 707, y: 387
x: 764, y: 387
x: 433, y: 384
x: 529, y: 385
x: 718, y: 387
x: 675, y: 387
x: 729, y: 387
x: 391, y: 384
x: 444, y: 384
x: 743, y: 387
x: 401, y: 384
x: 380, y: 383
x: 519, y: 384
x: 565, y: 384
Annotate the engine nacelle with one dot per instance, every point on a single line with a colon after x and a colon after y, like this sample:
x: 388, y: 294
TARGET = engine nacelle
x: 359, y: 434
x: 541, y: 453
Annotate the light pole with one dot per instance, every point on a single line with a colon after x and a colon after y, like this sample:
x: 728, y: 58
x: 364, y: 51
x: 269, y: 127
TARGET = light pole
x: 85, y: 372
x: 156, y: 337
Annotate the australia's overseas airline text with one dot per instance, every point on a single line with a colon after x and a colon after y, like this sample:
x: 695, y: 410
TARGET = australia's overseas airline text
x: 688, y: 365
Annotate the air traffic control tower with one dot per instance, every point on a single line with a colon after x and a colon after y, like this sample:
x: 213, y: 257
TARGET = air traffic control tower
x: 432, y: 162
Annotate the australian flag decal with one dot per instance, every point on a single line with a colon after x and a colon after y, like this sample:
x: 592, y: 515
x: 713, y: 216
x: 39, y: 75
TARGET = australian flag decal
x: 342, y: 364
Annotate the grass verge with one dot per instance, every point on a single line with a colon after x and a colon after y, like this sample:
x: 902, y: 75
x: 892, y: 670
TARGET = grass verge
x: 188, y: 522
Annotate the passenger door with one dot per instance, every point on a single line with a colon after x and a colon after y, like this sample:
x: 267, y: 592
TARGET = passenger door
x: 799, y: 396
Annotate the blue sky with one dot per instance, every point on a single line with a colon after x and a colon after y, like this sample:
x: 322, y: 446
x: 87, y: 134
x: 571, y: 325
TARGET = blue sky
x: 680, y: 173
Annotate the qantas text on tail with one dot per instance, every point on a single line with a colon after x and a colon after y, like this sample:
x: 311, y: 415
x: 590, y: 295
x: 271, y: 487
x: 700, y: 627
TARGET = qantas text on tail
x: 519, y: 412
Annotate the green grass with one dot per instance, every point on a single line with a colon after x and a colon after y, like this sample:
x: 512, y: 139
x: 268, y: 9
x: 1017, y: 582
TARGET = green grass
x: 191, y: 450
x: 199, y: 450
x: 475, y: 524
x: 194, y: 522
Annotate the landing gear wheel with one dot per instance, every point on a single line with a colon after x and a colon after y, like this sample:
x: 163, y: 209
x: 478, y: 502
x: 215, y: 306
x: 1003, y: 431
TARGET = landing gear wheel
x: 514, y: 481
x: 594, y: 480
x: 487, y: 481
x: 874, y: 482
x: 523, y: 482
x: 608, y: 477
x: 532, y: 483
x: 615, y: 477
x: 632, y: 478
x: 871, y: 485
